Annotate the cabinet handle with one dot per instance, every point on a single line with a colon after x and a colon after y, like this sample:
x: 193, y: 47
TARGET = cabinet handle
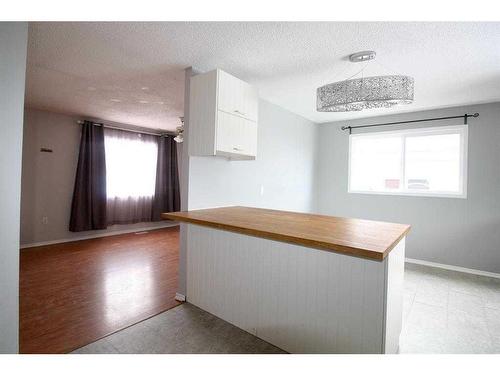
x: 237, y: 149
x: 241, y: 113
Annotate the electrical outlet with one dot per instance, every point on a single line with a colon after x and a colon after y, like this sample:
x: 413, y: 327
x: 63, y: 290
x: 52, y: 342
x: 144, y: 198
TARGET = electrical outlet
x: 45, y: 219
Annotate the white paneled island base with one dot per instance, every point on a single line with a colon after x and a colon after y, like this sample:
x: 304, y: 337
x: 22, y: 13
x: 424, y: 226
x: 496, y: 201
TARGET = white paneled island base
x: 301, y: 299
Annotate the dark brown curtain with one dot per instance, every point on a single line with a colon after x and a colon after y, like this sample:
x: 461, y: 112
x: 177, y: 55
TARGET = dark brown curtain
x: 88, y: 209
x: 167, y: 196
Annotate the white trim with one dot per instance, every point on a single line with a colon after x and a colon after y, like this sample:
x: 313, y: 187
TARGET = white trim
x: 408, y: 194
x: 180, y: 297
x: 98, y: 235
x: 453, y: 268
x: 463, y: 130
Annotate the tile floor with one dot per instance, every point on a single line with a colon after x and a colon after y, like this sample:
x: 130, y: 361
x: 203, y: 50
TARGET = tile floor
x: 444, y: 312
x: 450, y: 312
x: 183, y: 329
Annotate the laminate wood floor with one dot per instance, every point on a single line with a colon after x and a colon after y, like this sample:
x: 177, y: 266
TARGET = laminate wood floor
x: 74, y: 293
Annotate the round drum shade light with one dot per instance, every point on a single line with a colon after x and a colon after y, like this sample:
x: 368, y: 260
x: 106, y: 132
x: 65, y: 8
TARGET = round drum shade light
x: 365, y: 93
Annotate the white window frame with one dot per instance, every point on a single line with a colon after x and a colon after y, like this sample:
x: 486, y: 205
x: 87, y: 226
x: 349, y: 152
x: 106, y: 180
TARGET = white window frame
x: 463, y: 130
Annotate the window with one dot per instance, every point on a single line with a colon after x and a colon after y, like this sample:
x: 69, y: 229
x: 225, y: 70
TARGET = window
x: 130, y: 164
x: 426, y: 161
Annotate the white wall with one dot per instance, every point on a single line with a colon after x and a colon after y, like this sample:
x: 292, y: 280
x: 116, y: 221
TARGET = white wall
x: 284, y: 168
x: 184, y: 184
x: 281, y: 177
x: 460, y: 232
x: 48, y: 179
x: 13, y: 42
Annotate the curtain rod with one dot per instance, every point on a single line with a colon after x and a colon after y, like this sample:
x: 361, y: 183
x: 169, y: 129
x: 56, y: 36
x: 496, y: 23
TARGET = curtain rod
x: 465, y: 117
x: 128, y: 130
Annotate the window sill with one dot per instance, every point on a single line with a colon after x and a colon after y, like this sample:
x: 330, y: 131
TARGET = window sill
x: 411, y: 194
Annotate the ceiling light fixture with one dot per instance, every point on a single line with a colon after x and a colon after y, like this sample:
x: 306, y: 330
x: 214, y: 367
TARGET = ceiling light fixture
x: 179, y: 138
x: 365, y: 92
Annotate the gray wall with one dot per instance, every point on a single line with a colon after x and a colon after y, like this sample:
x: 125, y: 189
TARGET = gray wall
x: 460, y: 232
x: 48, y: 179
x: 284, y: 168
x: 13, y: 42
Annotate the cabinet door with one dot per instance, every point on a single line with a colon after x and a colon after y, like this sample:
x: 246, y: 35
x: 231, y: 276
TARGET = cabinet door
x: 250, y: 137
x: 236, y: 135
x: 236, y: 97
x: 250, y: 102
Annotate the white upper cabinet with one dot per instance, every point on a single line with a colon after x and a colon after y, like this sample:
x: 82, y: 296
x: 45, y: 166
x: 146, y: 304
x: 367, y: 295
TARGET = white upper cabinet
x: 237, y: 97
x: 223, y: 114
x: 236, y: 136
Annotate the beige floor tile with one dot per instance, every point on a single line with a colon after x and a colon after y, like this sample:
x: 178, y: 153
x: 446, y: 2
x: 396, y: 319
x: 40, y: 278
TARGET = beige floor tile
x: 467, y: 333
x: 469, y: 303
x: 424, y: 330
x: 432, y: 293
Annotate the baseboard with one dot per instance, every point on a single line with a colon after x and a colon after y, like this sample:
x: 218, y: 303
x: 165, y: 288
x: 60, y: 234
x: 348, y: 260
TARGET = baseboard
x: 453, y: 268
x: 180, y: 297
x: 98, y: 235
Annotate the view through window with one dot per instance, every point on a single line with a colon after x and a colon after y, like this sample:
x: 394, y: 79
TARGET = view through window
x: 130, y: 165
x: 425, y: 161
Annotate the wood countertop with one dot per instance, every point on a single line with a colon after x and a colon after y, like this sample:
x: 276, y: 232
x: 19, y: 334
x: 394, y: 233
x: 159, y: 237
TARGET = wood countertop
x: 356, y: 237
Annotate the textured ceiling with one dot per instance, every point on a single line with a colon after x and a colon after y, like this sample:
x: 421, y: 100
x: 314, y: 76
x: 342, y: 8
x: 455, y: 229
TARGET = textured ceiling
x: 133, y: 72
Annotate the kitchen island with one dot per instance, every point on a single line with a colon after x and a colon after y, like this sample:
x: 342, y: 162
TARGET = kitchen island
x: 305, y: 283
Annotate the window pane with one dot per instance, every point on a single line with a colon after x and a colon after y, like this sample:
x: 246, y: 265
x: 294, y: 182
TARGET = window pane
x: 376, y: 163
x: 130, y: 166
x: 433, y: 163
